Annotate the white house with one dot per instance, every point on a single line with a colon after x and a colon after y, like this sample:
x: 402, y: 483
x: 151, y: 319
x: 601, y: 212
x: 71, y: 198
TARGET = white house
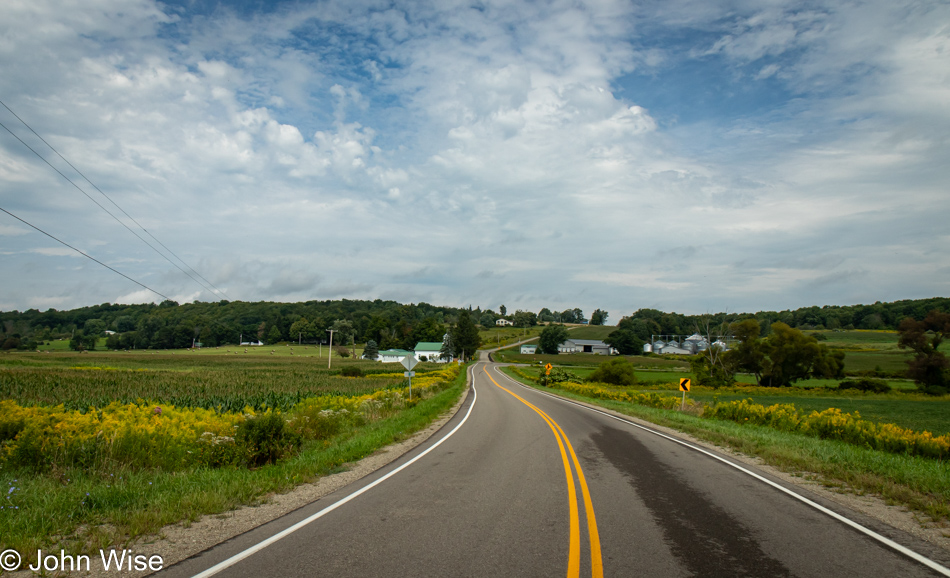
x: 502, y: 322
x: 393, y: 355
x: 429, y: 351
x: 529, y: 349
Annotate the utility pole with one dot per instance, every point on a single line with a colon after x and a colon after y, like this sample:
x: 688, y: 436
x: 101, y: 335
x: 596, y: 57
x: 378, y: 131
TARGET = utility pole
x: 330, y: 349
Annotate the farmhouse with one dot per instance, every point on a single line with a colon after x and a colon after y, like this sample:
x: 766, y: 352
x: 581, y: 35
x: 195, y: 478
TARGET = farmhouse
x: 429, y: 351
x: 502, y: 322
x: 393, y: 355
x: 586, y: 346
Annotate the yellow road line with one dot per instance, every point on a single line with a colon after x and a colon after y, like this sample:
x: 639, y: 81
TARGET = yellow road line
x: 573, y: 561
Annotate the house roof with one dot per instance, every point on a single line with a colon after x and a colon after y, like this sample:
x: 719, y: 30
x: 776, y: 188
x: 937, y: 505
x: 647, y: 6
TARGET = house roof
x: 594, y: 342
x: 401, y: 352
x: 429, y: 346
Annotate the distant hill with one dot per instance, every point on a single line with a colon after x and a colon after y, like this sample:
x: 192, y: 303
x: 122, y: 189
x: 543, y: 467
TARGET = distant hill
x: 591, y: 331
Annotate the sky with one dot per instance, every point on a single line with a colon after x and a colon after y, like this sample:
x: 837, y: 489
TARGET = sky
x: 684, y: 155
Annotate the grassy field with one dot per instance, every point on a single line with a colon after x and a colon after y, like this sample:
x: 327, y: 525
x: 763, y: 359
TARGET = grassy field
x: 598, y: 332
x: 224, y: 381
x: 78, y: 508
x: 501, y: 336
x: 865, y: 351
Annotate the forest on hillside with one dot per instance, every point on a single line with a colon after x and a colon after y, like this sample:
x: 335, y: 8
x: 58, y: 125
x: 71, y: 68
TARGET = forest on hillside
x: 170, y: 325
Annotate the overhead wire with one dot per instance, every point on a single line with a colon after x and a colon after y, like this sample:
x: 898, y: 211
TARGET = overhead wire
x: 215, y: 290
x: 84, y: 254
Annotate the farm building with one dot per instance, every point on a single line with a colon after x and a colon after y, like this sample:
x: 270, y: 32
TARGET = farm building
x: 586, y: 346
x: 503, y: 322
x: 691, y: 345
x: 429, y: 351
x: 529, y: 349
x: 393, y: 355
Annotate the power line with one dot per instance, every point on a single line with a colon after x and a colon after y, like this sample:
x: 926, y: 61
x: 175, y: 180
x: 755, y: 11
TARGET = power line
x: 84, y: 254
x: 214, y: 290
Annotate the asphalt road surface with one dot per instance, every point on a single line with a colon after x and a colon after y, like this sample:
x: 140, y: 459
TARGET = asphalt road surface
x: 519, y: 483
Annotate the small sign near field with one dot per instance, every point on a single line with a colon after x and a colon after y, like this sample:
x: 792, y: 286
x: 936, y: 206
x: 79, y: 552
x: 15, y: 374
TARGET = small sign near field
x: 409, y: 361
x: 409, y: 373
x: 547, y: 369
x: 684, y: 384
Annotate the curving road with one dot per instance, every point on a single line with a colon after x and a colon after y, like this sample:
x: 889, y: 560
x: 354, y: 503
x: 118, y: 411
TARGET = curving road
x: 520, y: 483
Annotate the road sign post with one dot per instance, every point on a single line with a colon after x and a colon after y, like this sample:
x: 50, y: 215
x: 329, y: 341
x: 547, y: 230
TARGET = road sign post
x: 409, y: 362
x: 684, y: 387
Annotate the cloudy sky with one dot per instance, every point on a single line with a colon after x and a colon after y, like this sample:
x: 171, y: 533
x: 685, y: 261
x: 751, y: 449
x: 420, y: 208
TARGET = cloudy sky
x: 688, y: 155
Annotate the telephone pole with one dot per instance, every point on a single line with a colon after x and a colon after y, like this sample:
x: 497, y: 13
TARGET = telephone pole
x: 330, y: 349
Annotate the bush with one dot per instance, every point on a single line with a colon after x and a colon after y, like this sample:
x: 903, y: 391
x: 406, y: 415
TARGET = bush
x: 351, y: 371
x: 865, y: 384
x: 935, y: 390
x: 617, y: 371
x: 558, y: 375
x: 266, y: 438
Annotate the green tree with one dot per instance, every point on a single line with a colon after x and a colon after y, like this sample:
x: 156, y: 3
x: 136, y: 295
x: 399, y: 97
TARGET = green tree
x: 487, y: 320
x: 524, y: 319
x: 929, y: 368
x: 551, y: 337
x: 273, y: 336
x: 94, y: 327
x: 787, y: 355
x: 629, y: 337
x: 545, y: 315
x: 747, y: 353
x: 342, y: 331
x: 503, y: 310
x: 578, y: 315
x: 625, y: 341
x: 371, y: 350
x: 429, y: 329
x: 302, y: 330
x: 447, y: 347
x: 464, y: 336
x: 598, y: 317
x: 707, y: 372
x: 617, y: 371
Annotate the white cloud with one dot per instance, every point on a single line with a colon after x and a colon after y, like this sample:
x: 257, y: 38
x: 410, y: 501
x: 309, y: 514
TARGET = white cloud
x: 312, y: 151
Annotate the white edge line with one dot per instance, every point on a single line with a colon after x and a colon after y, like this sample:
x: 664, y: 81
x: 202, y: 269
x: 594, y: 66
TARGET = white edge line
x: 283, y: 534
x: 867, y: 531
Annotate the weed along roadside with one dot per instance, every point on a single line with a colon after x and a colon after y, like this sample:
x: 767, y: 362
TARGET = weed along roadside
x: 79, y: 481
x: 903, y: 466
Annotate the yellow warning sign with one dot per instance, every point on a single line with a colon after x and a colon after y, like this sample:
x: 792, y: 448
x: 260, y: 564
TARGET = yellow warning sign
x: 684, y: 384
x: 547, y: 369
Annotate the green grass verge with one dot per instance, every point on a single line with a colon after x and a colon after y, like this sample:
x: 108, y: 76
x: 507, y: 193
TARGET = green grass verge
x: 76, y: 510
x: 920, y: 484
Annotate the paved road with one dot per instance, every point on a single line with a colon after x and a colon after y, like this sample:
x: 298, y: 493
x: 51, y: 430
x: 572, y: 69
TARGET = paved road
x: 529, y: 485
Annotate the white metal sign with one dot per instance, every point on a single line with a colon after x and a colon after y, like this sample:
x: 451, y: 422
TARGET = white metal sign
x: 409, y: 361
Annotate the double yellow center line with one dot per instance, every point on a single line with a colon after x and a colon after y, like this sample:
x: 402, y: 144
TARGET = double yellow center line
x: 574, y: 554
